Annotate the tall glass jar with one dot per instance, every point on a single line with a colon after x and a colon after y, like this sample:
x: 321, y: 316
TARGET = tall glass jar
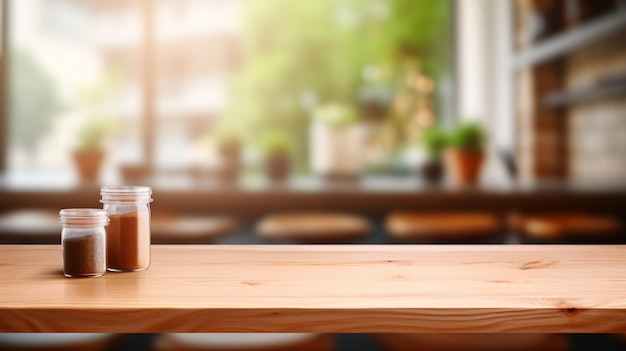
x: 83, y: 241
x: 128, y: 234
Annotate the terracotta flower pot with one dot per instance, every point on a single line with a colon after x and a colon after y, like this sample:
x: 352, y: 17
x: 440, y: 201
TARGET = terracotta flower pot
x: 432, y: 171
x: 277, y: 167
x: 230, y: 163
x: 88, y: 163
x: 135, y: 173
x: 463, y: 165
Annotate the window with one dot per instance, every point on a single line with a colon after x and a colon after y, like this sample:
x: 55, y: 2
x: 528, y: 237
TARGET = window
x: 72, y: 76
x: 156, y: 81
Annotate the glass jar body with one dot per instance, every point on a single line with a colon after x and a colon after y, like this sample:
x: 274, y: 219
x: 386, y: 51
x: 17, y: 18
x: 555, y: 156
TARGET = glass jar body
x: 128, y: 233
x: 83, y: 242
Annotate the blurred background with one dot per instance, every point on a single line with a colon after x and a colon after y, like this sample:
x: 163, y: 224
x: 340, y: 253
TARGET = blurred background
x: 159, y: 86
x: 382, y: 121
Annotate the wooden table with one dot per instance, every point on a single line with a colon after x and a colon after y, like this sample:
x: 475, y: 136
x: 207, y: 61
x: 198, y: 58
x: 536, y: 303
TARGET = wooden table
x: 351, y: 288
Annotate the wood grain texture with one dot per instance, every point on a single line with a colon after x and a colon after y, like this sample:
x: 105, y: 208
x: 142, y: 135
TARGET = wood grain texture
x: 342, y: 288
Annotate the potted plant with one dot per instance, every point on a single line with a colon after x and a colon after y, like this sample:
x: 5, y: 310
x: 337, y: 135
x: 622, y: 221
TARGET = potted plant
x: 229, y: 147
x: 135, y: 173
x: 336, y: 142
x: 276, y: 147
x: 434, y: 141
x: 89, y: 152
x: 464, y: 156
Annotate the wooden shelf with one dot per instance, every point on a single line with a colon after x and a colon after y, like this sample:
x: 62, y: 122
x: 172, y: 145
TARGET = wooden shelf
x: 571, y: 39
x: 602, y: 89
x: 250, y: 203
x: 324, y: 288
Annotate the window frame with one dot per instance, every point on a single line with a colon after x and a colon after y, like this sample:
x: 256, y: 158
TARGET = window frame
x: 4, y: 55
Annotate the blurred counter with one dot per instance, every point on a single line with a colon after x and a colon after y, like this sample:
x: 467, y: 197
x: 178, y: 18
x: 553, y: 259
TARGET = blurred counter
x: 372, y: 196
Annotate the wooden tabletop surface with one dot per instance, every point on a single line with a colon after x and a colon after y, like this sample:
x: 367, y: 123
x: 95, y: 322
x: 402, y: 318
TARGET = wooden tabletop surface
x: 350, y: 288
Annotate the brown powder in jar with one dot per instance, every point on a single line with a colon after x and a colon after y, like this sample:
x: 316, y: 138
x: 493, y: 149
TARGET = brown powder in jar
x: 84, y: 256
x: 128, y: 241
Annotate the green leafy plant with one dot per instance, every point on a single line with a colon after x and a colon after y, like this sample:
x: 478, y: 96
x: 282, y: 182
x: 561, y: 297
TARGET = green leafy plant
x: 276, y: 142
x: 97, y: 123
x: 468, y: 136
x: 228, y: 139
x: 92, y: 134
x: 282, y: 85
x: 34, y: 101
x: 434, y: 141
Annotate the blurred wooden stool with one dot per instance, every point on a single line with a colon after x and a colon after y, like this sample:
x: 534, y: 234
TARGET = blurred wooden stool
x: 58, y: 341
x: 567, y: 226
x: 30, y: 226
x: 473, y: 342
x: 313, y: 227
x: 168, y: 228
x: 244, y: 342
x: 442, y: 226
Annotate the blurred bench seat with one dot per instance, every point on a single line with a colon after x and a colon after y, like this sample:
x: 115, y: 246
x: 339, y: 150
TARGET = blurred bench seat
x: 313, y: 227
x: 30, y: 226
x: 59, y: 341
x: 473, y: 342
x: 567, y: 227
x: 244, y: 342
x: 442, y: 226
x: 171, y: 228
x: 41, y: 226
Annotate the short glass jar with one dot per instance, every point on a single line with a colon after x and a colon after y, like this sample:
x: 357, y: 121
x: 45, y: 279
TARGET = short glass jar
x: 83, y: 241
x: 128, y: 233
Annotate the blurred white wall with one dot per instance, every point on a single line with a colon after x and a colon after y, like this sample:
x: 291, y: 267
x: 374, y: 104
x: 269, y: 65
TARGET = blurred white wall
x: 485, y: 76
x: 484, y: 55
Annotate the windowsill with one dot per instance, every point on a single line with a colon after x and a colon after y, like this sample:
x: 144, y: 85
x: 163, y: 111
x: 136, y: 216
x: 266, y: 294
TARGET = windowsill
x: 62, y: 182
